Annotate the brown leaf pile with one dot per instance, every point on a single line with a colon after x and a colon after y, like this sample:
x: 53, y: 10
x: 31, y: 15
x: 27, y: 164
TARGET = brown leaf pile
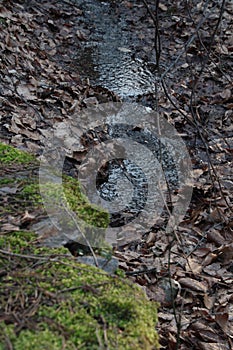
x: 191, y: 272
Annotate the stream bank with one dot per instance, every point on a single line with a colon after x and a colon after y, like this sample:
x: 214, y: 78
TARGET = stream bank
x: 49, y: 299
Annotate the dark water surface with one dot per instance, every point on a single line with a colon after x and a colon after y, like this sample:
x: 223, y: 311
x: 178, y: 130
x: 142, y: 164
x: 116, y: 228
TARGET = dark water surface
x: 108, y: 57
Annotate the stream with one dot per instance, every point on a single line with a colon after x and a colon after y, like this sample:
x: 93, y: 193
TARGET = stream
x: 135, y: 185
x: 108, y: 59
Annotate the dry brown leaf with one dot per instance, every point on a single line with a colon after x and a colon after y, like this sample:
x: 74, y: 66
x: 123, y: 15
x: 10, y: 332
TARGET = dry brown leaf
x: 225, y: 253
x: 222, y: 317
x: 80, y: 35
x: 33, y: 147
x: 209, y: 301
x: 27, y: 120
x: 165, y: 291
x: 205, y: 332
x: 28, y: 91
x: 209, y: 346
x: 209, y: 259
x: 162, y: 7
x: 194, y: 266
x: 151, y: 237
x: 194, y: 285
x: 216, y: 216
x: 213, y: 235
x: 201, y: 252
x: 226, y: 94
x: 27, y: 218
x: 164, y: 316
x: 34, y: 135
x: 9, y: 227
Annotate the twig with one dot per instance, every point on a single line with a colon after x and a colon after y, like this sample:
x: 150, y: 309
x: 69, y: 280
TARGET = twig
x: 198, y: 128
x: 177, y: 317
x: 33, y: 257
x: 140, y: 272
x: 189, y: 42
x: 155, y: 19
x: 82, y: 234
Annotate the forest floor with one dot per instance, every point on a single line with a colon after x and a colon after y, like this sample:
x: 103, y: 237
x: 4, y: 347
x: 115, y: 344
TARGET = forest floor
x: 190, y: 274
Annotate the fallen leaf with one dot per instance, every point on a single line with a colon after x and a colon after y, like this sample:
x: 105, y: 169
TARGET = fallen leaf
x: 124, y: 49
x: 8, y: 190
x: 9, y: 227
x: 27, y: 91
x: 80, y: 35
x: 225, y: 253
x: 222, y: 317
x: 214, y: 235
x: 208, y: 346
x: 209, y: 301
x: 226, y: 94
x: 162, y: 7
x: 194, y: 285
x: 193, y: 266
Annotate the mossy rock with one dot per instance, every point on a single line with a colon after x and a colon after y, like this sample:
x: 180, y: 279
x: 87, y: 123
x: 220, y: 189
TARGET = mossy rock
x: 50, y: 301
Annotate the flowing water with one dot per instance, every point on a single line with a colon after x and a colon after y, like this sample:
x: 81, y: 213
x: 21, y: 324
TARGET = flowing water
x: 107, y: 58
x: 134, y: 183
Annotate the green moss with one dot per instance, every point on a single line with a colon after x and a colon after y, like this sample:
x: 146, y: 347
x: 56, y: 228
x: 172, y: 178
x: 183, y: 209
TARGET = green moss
x: 78, y: 202
x: 6, y: 181
x: 9, y: 154
x: 29, y: 193
x: 26, y: 340
x: 64, y: 304
x: 71, y: 194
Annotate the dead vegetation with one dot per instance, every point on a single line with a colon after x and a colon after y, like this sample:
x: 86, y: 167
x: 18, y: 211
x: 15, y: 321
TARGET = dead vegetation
x: 192, y: 277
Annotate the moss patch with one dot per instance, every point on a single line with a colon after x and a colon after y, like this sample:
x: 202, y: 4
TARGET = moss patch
x: 49, y: 301
x: 9, y: 154
x: 70, y: 192
x: 23, y: 176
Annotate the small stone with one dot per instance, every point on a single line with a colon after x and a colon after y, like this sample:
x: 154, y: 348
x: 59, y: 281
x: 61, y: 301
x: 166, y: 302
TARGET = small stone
x: 108, y: 265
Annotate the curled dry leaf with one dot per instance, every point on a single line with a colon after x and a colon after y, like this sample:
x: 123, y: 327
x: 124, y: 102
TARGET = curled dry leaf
x: 151, y: 237
x: 166, y: 291
x: 216, y: 216
x: 18, y: 128
x: 193, y: 285
x: 27, y: 218
x: 211, y: 257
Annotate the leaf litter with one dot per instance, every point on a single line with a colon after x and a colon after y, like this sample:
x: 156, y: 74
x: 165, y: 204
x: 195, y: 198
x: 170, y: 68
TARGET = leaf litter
x: 40, y: 86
